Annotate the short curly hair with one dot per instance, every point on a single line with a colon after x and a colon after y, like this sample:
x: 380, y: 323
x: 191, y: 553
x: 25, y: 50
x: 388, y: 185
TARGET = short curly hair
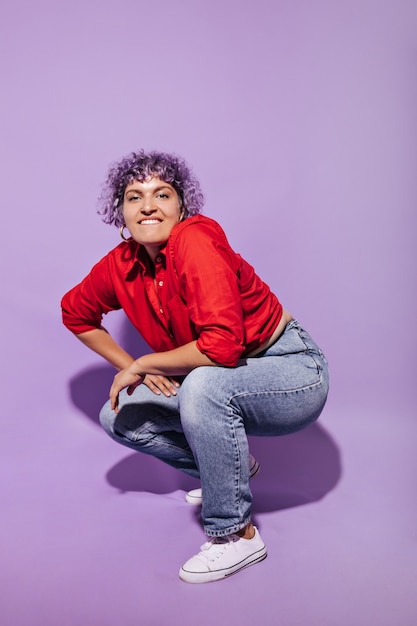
x: 139, y: 166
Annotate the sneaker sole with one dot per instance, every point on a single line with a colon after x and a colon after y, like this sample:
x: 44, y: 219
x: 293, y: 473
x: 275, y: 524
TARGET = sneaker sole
x: 254, y: 469
x: 194, y: 500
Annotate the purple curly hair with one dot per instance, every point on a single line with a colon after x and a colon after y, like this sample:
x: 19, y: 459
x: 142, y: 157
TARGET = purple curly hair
x: 140, y: 166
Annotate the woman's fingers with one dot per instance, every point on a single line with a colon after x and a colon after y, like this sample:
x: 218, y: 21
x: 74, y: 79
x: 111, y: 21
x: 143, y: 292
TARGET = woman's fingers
x: 156, y: 383
x: 125, y: 378
x: 161, y: 384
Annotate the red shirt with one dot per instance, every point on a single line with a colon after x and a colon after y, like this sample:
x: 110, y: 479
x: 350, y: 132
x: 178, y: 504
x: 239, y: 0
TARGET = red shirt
x: 199, y: 289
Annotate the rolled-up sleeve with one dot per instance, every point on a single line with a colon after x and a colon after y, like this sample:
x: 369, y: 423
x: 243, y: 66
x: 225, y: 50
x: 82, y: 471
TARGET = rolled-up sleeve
x: 207, y: 270
x: 83, y: 306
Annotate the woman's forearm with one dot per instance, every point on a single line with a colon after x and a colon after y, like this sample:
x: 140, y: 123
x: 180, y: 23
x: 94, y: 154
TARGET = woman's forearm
x: 176, y: 362
x: 103, y: 344
x: 171, y: 363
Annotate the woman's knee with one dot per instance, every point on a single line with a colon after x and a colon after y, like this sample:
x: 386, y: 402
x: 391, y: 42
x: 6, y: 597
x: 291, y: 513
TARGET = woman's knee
x: 200, y: 383
x: 107, y: 418
x: 201, y: 397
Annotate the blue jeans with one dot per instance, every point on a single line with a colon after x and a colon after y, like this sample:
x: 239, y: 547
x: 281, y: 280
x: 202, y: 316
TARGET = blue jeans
x: 203, y: 430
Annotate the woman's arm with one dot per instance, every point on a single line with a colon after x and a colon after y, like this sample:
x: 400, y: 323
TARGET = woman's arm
x: 179, y: 361
x: 101, y: 342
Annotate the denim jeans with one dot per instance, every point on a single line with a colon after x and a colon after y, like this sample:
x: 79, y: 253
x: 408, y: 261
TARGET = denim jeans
x: 203, y: 429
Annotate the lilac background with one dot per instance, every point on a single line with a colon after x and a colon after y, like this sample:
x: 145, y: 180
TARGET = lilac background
x: 299, y: 118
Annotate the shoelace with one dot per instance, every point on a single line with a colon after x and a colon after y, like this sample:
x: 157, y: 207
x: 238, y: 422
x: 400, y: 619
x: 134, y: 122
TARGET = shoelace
x: 215, y: 547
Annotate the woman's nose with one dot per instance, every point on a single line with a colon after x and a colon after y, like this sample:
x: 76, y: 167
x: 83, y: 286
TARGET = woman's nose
x: 148, y: 204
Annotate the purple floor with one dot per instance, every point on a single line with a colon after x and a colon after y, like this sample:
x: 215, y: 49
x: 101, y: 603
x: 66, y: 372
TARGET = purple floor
x: 95, y: 534
x: 299, y: 118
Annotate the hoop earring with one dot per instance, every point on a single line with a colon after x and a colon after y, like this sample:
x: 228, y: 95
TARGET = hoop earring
x: 122, y: 234
x: 182, y: 215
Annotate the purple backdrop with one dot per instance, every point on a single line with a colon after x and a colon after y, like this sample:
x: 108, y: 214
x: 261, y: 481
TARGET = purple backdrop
x: 299, y: 118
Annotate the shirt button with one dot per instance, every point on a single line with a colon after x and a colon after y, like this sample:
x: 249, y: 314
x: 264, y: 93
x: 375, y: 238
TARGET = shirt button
x: 158, y: 259
x: 161, y: 282
x: 161, y: 310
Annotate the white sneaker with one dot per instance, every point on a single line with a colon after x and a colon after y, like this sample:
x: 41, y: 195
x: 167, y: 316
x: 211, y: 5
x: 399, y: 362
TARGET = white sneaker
x: 195, y: 496
x: 221, y: 557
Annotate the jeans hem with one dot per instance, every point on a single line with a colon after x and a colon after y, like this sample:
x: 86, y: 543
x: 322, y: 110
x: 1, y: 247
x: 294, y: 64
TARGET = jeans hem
x: 227, y: 531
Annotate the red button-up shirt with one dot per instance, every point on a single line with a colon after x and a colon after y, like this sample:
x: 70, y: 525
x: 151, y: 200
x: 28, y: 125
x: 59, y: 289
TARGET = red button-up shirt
x: 198, y: 289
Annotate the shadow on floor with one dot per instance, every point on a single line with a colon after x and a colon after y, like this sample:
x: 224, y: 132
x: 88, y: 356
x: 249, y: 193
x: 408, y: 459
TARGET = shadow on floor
x: 295, y: 469
x: 89, y: 390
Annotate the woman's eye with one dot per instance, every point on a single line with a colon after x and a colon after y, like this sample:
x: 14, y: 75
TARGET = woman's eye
x: 133, y: 198
x: 162, y: 195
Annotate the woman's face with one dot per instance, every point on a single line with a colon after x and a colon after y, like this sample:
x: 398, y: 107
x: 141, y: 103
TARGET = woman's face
x: 151, y: 209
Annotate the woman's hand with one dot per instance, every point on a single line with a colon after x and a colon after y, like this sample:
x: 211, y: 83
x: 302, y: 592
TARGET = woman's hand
x: 157, y: 370
x: 161, y: 384
x: 130, y: 378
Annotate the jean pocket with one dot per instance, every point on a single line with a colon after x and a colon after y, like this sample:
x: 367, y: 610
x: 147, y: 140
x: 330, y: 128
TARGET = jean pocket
x: 311, y: 346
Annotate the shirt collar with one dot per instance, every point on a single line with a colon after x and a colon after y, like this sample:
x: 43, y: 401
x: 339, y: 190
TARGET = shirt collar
x: 136, y: 254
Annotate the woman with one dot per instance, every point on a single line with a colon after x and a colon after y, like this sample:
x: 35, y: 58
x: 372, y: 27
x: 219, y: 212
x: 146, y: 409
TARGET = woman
x: 228, y: 361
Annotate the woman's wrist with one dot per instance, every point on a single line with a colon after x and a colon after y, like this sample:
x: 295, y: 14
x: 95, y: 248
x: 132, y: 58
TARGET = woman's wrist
x: 137, y: 367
